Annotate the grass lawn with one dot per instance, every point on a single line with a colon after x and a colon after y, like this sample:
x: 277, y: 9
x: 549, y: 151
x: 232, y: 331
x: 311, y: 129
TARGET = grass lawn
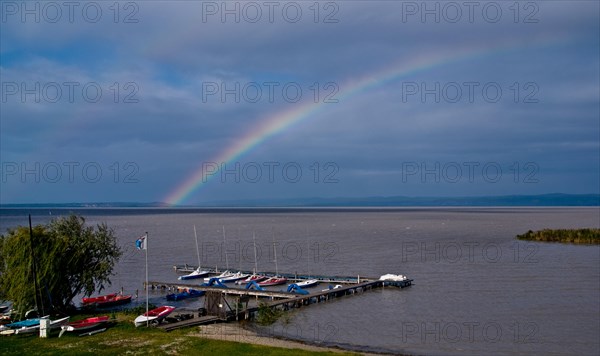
x: 123, y: 337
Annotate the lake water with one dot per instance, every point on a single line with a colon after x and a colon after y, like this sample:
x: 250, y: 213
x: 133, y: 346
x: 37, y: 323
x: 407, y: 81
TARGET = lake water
x: 476, y: 289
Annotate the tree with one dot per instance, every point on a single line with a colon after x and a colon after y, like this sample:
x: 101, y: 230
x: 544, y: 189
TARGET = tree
x: 70, y: 258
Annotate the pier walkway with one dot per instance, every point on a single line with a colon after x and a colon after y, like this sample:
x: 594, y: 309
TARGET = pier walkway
x: 220, y: 310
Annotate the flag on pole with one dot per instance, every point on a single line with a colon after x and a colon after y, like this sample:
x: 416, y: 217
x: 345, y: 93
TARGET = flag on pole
x: 141, y: 243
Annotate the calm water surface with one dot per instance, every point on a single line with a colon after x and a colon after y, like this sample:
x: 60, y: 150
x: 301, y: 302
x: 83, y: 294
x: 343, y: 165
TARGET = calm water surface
x: 477, y: 290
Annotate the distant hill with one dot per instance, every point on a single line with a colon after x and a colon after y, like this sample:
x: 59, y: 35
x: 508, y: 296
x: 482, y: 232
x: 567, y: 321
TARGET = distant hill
x: 393, y: 201
x: 506, y: 200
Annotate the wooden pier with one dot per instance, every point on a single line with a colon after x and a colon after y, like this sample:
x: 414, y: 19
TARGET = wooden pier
x: 207, y: 319
x: 220, y: 310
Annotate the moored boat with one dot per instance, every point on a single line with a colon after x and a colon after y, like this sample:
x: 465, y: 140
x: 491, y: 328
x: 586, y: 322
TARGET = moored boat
x: 154, y: 315
x: 276, y: 280
x: 197, y: 273
x: 273, y: 281
x: 118, y: 300
x: 104, y: 301
x: 308, y: 283
x: 186, y: 294
x: 393, y: 277
x: 252, y: 278
x: 228, y: 276
x: 234, y: 277
x: 294, y: 288
x: 101, y: 298
x: 331, y: 287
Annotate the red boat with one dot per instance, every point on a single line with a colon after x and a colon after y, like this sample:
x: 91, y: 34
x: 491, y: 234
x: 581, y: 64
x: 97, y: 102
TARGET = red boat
x: 118, y: 300
x: 273, y: 281
x: 108, y: 300
x: 254, y: 277
x: 84, y: 324
x: 102, y: 298
x: 154, y: 315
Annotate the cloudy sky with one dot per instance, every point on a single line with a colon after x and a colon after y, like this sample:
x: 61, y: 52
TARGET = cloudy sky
x: 194, y: 101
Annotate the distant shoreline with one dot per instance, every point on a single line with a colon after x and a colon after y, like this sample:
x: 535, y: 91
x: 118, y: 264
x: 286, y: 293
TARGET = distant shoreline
x: 540, y: 200
x: 569, y: 236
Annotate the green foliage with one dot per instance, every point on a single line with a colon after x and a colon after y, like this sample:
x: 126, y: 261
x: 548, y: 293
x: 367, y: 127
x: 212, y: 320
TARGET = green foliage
x: 70, y: 258
x: 267, y: 315
x: 574, y: 236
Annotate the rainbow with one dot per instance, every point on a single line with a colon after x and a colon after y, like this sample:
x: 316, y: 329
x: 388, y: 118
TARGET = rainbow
x: 280, y: 121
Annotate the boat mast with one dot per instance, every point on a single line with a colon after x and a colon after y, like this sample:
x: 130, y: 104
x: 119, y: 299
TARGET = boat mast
x: 197, y: 249
x: 275, y: 255
x: 225, y: 250
x: 307, y: 254
x: 146, y: 250
x: 255, y: 262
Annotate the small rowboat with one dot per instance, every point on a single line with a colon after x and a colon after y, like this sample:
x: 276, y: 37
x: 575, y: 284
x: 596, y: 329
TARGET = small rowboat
x: 273, y: 281
x: 101, y: 298
x: 154, y: 315
x: 105, y: 301
x: 118, y: 300
x: 85, y: 324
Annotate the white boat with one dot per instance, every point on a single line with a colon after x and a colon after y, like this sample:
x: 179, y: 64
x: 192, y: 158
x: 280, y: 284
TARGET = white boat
x: 222, y: 275
x: 393, y: 277
x: 234, y: 277
x: 154, y: 315
x: 228, y: 276
x: 308, y: 283
x: 198, y: 273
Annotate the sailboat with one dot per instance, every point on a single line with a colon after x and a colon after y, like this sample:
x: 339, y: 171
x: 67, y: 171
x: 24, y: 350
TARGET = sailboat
x: 309, y: 282
x: 254, y: 277
x: 276, y: 280
x: 198, y: 273
x: 227, y: 276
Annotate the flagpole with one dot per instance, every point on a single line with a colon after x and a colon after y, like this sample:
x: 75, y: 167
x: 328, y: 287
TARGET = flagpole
x: 146, y: 241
